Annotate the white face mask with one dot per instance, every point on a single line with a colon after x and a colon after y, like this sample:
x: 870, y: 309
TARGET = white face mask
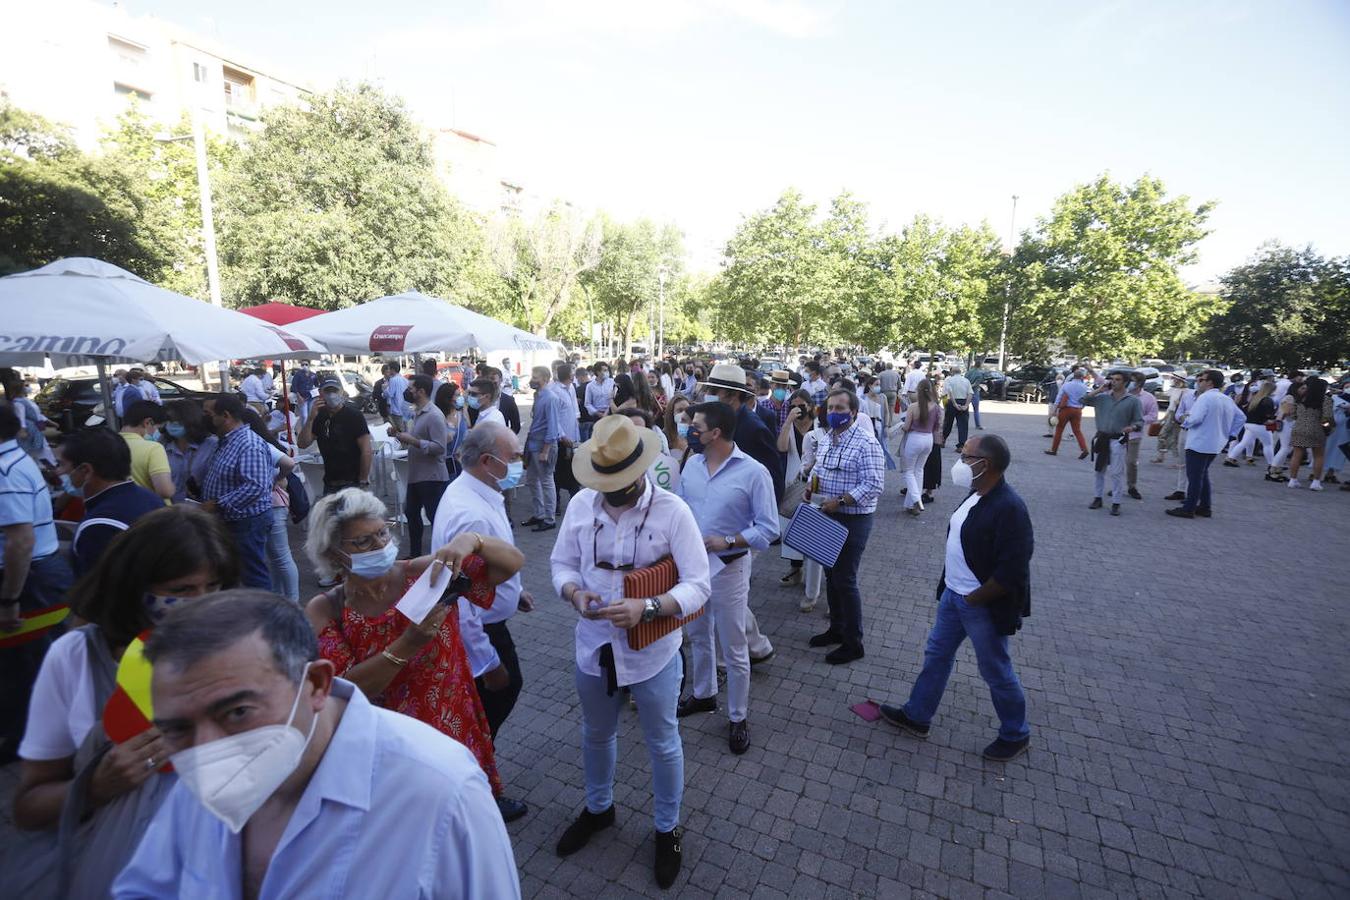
x: 710, y: 398
x: 233, y: 776
x: 963, y: 474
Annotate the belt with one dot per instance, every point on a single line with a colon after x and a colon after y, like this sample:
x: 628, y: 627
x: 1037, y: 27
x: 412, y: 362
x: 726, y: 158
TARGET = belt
x: 733, y: 557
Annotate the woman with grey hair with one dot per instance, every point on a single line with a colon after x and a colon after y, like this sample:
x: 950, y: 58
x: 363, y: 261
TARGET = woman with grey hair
x: 421, y: 669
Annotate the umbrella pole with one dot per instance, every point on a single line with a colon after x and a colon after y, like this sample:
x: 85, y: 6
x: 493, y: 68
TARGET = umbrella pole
x: 286, y: 409
x: 110, y: 414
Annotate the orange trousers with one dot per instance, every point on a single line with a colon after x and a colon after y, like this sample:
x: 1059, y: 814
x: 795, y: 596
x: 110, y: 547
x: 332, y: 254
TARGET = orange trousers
x: 1069, y: 416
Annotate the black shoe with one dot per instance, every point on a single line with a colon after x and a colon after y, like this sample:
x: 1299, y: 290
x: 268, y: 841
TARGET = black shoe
x: 1203, y: 512
x: 580, y: 831
x: 668, y: 855
x: 532, y: 520
x: 794, y: 576
x: 1232, y: 463
x: 826, y: 639
x: 1176, y: 495
x: 1003, y: 751
x: 1134, y: 492
x: 545, y: 526
x: 756, y: 660
x: 926, y: 498
x: 739, y: 737
x: 511, y: 809
x: 958, y: 447
x: 691, y: 704
x: 1096, y: 503
x: 1083, y: 455
x: 1115, y: 509
x: 1051, y: 452
x: 896, y: 716
x: 1181, y: 512
x: 844, y: 654
x: 1278, y: 479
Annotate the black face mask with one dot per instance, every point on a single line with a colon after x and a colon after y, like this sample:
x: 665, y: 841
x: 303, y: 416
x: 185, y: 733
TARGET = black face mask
x: 626, y: 496
x: 409, y: 396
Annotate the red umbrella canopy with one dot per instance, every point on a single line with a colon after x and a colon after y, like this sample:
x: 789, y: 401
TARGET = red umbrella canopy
x: 281, y: 313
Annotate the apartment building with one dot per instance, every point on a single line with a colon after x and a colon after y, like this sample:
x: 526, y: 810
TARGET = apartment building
x: 77, y: 62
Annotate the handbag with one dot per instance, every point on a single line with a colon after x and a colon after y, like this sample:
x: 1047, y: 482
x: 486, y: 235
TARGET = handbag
x: 1154, y: 429
x: 794, y: 492
x: 1273, y: 425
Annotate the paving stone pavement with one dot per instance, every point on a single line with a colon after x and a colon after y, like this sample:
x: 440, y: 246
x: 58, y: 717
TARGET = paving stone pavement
x: 1189, y: 733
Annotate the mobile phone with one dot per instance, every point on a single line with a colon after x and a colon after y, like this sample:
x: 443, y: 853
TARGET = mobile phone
x: 460, y: 584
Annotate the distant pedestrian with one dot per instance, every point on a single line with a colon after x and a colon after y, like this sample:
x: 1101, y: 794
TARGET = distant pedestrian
x: 1148, y: 405
x: 1118, y: 415
x: 1208, y: 427
x: 1068, y: 410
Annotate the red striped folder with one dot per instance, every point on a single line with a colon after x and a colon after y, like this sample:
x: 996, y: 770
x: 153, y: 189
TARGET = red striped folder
x: 653, y: 581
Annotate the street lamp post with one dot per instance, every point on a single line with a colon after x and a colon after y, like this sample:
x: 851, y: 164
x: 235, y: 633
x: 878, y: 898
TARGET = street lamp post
x: 1007, y: 295
x: 661, y: 274
x: 198, y: 138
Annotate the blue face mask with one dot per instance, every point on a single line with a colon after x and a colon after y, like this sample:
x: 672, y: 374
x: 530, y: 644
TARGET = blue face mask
x: 153, y: 436
x: 682, y: 429
x: 69, y: 486
x: 472, y: 401
x: 839, y: 420
x: 158, y: 607
x: 695, y: 440
x: 374, y: 563
x: 710, y: 398
x: 459, y: 401
x: 176, y: 429
x: 515, y: 471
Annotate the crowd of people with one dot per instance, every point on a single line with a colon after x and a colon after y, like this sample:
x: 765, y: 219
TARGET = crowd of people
x: 277, y: 720
x: 1295, y: 419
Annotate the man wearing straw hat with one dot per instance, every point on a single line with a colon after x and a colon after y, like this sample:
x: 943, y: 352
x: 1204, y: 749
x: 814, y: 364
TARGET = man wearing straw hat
x: 618, y: 524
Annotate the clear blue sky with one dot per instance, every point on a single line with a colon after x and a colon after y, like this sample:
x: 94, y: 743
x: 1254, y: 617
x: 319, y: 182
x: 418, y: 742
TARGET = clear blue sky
x: 700, y: 111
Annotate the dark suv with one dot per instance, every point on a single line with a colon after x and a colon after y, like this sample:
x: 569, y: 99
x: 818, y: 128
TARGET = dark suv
x: 70, y: 401
x: 1033, y: 383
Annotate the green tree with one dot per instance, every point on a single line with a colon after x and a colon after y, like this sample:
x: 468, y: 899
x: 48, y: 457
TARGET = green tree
x: 56, y: 201
x: 1100, y: 273
x: 337, y: 202
x: 626, y: 280
x: 1285, y: 308
x: 539, y: 262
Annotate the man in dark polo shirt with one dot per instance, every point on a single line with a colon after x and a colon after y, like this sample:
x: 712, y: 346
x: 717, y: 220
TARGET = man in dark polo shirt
x: 343, y: 436
x: 96, y: 464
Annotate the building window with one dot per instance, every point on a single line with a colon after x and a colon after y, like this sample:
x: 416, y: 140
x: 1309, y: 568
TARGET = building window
x: 239, y: 91
x: 198, y: 72
x: 128, y: 53
x: 126, y: 90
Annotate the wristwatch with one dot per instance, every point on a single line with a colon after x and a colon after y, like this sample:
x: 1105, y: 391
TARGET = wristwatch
x: 651, y: 608
x: 731, y: 540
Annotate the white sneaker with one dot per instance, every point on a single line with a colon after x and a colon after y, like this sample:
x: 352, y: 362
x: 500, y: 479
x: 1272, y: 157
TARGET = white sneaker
x: 1314, y: 485
x: 1292, y: 483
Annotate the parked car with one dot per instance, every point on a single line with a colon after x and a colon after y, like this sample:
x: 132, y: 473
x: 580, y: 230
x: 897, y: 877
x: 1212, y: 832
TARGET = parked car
x: 69, y: 402
x: 1033, y: 383
x: 358, y: 390
x: 453, y: 371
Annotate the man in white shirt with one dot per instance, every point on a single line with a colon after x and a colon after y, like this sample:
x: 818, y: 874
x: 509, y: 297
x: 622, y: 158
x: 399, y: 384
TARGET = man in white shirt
x: 508, y: 378
x: 957, y: 389
x: 912, y: 379
x: 1208, y: 428
x: 252, y: 389
x: 491, y: 461
x: 621, y: 523
x: 599, y: 392
x: 481, y: 399
x: 291, y: 784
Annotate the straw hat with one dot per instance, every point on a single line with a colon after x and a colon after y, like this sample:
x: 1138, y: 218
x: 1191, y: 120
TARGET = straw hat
x: 728, y: 376
x: 616, y: 455
x: 780, y: 376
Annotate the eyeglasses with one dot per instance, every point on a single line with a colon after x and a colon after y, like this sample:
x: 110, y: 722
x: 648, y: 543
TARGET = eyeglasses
x: 618, y: 567
x: 967, y: 458
x: 373, y: 541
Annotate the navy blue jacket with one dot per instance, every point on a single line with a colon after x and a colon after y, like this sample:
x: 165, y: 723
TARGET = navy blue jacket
x: 757, y: 441
x: 997, y: 541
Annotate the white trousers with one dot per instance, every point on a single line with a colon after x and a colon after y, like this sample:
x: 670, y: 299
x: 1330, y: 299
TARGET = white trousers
x: 1115, y: 470
x: 913, y: 454
x: 1250, y: 435
x: 1286, y: 433
x: 727, y: 616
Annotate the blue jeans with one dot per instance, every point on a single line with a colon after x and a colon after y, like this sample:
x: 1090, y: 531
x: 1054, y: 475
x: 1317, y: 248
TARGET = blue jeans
x: 250, y: 539
x: 1197, y: 480
x: 956, y: 620
x: 975, y: 405
x: 285, y: 575
x: 656, y: 698
x: 841, y: 581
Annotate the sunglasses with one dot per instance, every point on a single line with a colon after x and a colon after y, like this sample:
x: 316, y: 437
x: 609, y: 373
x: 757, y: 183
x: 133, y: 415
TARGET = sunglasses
x: 637, y: 538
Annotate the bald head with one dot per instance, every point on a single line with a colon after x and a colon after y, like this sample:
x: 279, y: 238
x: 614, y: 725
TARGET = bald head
x: 489, y: 439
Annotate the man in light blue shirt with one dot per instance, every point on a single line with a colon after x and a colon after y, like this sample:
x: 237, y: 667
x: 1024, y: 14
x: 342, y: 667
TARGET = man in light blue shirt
x: 541, y: 449
x: 1208, y: 426
x: 732, y: 498
x: 33, y: 576
x: 394, y: 386
x: 322, y: 808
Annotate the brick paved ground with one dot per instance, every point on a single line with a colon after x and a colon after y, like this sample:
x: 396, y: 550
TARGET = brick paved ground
x: 1189, y: 696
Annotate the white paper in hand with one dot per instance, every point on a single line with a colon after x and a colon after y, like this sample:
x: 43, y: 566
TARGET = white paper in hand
x: 418, y: 600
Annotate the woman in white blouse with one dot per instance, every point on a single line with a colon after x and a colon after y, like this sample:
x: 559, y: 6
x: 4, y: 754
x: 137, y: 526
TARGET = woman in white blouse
x: 814, y: 435
x: 69, y: 766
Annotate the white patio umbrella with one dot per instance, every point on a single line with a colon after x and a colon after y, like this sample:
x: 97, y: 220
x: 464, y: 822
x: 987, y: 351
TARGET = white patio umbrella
x: 82, y: 311
x: 413, y: 323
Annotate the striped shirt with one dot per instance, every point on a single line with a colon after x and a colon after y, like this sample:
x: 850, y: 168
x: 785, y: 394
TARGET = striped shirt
x: 24, y: 500
x: 240, y: 477
x: 851, y: 462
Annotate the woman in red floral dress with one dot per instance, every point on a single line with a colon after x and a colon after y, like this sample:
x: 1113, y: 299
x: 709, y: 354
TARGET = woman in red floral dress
x: 419, y: 669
